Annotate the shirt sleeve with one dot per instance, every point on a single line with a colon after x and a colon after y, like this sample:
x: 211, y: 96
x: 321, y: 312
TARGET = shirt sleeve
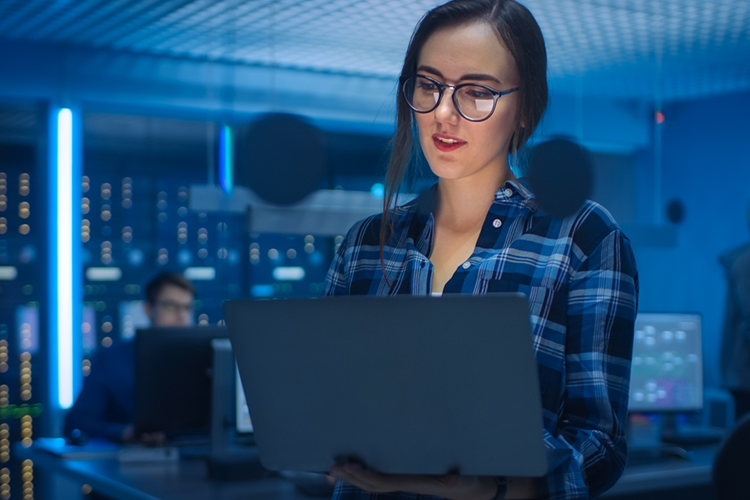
x: 602, y: 305
x: 335, y: 283
x: 88, y: 412
x: 349, y: 255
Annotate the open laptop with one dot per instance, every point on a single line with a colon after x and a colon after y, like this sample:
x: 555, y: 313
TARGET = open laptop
x: 406, y: 384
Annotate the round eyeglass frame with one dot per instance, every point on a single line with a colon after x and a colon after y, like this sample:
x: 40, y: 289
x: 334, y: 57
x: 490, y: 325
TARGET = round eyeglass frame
x: 496, y: 94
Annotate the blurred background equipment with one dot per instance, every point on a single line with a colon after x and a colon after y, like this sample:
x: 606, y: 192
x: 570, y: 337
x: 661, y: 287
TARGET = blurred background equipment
x: 676, y: 211
x: 667, y: 373
x: 277, y: 148
x: 560, y: 174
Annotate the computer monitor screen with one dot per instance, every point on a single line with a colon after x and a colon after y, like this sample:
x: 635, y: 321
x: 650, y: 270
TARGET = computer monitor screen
x: 242, y: 416
x: 667, y: 372
x: 173, y: 379
x: 132, y: 317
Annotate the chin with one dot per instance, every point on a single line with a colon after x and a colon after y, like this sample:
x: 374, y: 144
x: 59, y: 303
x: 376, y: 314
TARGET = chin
x: 447, y: 170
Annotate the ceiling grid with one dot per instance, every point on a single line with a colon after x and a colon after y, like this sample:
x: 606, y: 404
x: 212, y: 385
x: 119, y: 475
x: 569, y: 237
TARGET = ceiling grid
x: 617, y: 48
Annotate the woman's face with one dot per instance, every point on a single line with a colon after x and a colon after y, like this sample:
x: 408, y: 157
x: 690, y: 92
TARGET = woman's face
x: 457, y: 148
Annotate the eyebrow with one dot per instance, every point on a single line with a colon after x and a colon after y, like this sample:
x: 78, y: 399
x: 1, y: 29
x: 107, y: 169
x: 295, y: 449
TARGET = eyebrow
x: 471, y: 76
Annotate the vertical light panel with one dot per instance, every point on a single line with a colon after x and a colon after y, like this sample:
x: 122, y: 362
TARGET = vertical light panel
x: 64, y: 295
x: 226, y: 158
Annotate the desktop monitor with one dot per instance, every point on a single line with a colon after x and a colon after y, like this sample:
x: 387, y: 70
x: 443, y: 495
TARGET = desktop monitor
x: 667, y: 372
x: 173, y: 380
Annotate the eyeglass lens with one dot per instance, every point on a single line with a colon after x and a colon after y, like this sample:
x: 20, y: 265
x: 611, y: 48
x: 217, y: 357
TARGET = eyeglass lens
x: 172, y: 307
x: 474, y: 101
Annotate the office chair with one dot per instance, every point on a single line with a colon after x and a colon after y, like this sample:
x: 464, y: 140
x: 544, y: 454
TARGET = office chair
x: 731, y: 472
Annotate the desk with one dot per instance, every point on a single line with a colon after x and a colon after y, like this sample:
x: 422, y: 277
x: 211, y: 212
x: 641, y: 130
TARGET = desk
x: 188, y: 479
x: 674, y: 478
x: 183, y: 480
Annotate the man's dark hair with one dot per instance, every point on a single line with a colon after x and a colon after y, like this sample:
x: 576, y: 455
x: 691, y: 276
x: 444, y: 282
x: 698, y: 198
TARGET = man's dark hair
x: 153, y: 289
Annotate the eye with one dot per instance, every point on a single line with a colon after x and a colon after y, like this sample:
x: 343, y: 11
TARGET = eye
x: 427, y: 85
x: 478, y: 93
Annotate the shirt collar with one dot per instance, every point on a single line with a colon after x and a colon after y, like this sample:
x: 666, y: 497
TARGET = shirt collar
x: 520, y: 187
x: 426, y: 202
x: 422, y: 207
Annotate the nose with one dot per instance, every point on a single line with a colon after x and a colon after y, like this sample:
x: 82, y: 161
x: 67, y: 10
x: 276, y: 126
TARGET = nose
x: 446, y: 111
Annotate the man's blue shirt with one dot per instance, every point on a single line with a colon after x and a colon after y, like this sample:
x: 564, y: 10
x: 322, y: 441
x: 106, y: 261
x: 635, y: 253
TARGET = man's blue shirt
x: 106, y: 404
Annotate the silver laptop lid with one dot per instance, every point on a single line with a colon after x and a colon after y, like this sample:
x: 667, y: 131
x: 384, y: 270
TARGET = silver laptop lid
x: 405, y: 384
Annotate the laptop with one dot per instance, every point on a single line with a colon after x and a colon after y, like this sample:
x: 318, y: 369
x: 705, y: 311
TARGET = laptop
x: 403, y: 384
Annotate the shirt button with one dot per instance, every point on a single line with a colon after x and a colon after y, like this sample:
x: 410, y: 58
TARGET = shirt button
x: 422, y: 264
x: 508, y: 193
x: 466, y: 265
x: 497, y: 223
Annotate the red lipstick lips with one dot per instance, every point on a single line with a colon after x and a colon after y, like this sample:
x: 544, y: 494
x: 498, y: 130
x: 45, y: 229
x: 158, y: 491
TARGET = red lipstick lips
x: 447, y: 143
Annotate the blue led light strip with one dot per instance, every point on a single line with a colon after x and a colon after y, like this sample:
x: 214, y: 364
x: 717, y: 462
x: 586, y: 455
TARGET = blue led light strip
x: 226, y: 158
x: 63, y: 253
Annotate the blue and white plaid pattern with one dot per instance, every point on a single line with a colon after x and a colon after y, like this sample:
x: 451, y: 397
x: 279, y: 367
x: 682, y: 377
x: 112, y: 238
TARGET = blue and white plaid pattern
x: 581, y: 279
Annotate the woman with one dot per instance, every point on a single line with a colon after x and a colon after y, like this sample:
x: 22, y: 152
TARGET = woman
x: 474, y: 82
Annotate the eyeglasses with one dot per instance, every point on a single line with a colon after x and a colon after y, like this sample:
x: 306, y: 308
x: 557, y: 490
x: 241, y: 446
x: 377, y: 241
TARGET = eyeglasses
x: 473, y: 101
x: 173, y: 307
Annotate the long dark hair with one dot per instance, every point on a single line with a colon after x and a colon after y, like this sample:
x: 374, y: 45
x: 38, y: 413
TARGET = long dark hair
x: 519, y: 32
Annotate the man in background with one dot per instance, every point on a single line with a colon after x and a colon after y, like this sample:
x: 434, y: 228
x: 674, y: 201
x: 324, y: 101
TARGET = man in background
x: 105, y: 408
x: 735, y: 346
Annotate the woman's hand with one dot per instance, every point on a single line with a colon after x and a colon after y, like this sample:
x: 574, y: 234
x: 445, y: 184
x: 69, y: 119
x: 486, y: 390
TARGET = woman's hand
x: 451, y: 486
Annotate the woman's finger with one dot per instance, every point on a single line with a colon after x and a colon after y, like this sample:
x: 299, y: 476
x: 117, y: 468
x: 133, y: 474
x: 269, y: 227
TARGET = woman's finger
x: 356, y: 476
x: 450, y: 480
x: 384, y: 483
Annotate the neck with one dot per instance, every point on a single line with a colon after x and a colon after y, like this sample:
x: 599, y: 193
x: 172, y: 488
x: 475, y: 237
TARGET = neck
x: 464, y: 203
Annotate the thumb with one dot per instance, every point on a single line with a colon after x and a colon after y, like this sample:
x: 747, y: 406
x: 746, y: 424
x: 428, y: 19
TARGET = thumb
x: 451, y: 480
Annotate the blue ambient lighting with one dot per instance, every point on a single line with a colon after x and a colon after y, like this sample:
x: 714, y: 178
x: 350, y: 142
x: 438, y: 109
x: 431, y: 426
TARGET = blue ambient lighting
x: 226, y: 158
x: 103, y: 274
x: 377, y: 190
x: 63, y: 243
x: 288, y: 273
x: 8, y: 273
x: 200, y: 273
x: 262, y: 291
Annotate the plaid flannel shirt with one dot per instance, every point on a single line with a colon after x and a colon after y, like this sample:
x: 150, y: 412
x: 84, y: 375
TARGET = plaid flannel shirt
x: 580, y: 276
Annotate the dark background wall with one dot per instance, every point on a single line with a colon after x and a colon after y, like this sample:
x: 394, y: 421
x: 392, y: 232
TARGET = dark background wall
x: 706, y: 164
